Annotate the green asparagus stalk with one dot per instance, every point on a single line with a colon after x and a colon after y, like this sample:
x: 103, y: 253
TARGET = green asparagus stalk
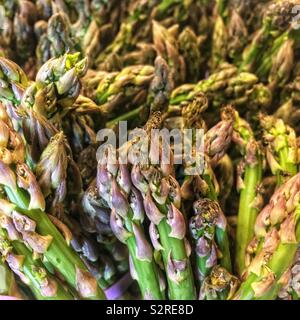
x: 56, y: 88
x: 219, y: 43
x: 263, y: 284
x: 172, y: 244
x: 8, y: 285
x: 13, y: 83
x: 281, y: 147
x: 216, y: 142
x: 155, y: 98
x: 166, y: 46
x: 61, y: 78
x: 97, y: 213
x: 237, y: 36
x: 225, y: 177
x: 114, y: 185
x: 269, y: 38
x: 208, y: 230
x: 277, y: 236
x: 118, y: 92
x: 22, y: 189
x: 189, y: 48
x: 30, y: 270
x: 127, y: 37
x: 290, y: 282
x: 59, y: 190
x: 289, y: 113
x: 58, y: 253
x: 248, y: 181
x: 162, y: 202
x: 282, y: 65
x: 226, y: 86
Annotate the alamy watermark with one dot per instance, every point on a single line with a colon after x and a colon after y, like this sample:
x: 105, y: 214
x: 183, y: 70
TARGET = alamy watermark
x: 159, y: 147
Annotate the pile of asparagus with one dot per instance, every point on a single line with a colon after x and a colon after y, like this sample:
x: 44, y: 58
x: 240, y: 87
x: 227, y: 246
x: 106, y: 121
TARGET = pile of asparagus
x: 76, y: 225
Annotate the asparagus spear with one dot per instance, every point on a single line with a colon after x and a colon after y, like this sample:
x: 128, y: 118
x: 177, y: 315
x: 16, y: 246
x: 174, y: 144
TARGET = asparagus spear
x: 237, y: 35
x: 216, y: 142
x: 225, y: 177
x: 56, y: 88
x: 289, y: 113
x: 160, y: 87
x: 166, y: 46
x: 59, y: 36
x: 263, y: 281
x: 219, y: 43
x: 19, y: 258
x: 8, y: 285
x: 22, y: 189
x: 13, y: 84
x: 157, y: 99
x: 118, y: 92
x: 282, y: 65
x: 290, y: 286
x: 277, y: 235
x: 161, y: 193
x: 189, y: 48
x: 45, y: 100
x: 275, y: 28
x: 127, y: 36
x: 97, y: 220
x: 114, y: 185
x: 281, y: 147
x: 56, y: 172
x: 22, y: 16
x: 60, y: 190
x: 61, y: 78
x: 226, y: 86
x: 208, y: 230
x: 248, y: 181
x: 219, y: 285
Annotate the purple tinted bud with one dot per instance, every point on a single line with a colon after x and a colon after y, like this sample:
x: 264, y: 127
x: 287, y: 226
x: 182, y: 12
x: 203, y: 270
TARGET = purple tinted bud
x: 136, y: 204
x: 175, y: 269
x: 138, y: 179
x: 26, y: 180
x: 22, y: 222
x: 123, y: 178
x: 202, y: 247
x: 119, y: 202
x: 117, y: 227
x: 151, y: 209
x: 143, y: 248
x: 176, y: 221
x: 212, y: 260
x: 7, y: 176
x: 154, y: 236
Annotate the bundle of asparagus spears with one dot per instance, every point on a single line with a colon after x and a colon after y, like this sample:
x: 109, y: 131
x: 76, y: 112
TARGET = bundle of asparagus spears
x: 136, y: 217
